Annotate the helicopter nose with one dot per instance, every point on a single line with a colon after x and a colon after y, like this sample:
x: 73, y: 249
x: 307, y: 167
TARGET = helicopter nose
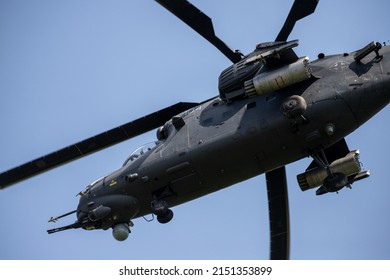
x: 106, y: 211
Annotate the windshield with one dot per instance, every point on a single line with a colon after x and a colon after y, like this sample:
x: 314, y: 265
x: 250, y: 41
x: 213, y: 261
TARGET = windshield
x: 91, y: 186
x: 140, y: 151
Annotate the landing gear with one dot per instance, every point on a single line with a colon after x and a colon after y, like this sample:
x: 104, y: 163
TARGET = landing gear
x: 165, y: 218
x: 334, y: 181
x: 161, y: 210
x: 340, y: 173
x: 332, y: 169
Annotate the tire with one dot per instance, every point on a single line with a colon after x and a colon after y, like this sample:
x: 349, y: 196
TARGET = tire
x: 336, y: 182
x: 166, y: 218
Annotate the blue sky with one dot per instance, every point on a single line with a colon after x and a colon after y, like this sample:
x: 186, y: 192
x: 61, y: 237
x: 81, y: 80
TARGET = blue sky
x: 73, y: 69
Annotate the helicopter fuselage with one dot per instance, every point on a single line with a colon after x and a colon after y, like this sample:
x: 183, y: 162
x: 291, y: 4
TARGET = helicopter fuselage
x: 219, y: 143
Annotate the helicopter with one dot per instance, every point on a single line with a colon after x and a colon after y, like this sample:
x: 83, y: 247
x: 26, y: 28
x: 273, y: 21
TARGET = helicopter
x: 297, y: 124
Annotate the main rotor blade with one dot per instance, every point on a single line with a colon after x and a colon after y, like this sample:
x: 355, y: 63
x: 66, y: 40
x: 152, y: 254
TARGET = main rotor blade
x: 201, y: 23
x: 299, y: 10
x: 92, y: 144
x: 279, y: 218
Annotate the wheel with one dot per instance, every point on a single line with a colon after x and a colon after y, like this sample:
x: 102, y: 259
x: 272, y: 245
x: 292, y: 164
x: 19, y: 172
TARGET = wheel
x: 335, y: 182
x: 159, y: 208
x: 165, y: 218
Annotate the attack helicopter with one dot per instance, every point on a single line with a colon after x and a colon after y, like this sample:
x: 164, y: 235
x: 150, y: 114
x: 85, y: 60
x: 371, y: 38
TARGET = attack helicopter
x: 332, y: 159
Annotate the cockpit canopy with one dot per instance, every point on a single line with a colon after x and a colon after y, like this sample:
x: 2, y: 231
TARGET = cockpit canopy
x: 91, y: 186
x: 140, y: 152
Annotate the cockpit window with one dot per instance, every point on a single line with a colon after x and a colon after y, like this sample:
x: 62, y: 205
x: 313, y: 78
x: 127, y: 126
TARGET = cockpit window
x: 92, y: 185
x: 140, y: 152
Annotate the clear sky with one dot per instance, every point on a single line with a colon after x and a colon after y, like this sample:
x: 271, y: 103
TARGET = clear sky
x: 72, y: 69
